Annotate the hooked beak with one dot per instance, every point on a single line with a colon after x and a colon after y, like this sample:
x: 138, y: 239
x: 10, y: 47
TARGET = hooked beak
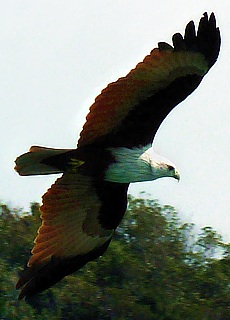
x: 177, y: 175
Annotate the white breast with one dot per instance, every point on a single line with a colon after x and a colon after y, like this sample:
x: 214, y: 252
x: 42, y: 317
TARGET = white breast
x: 132, y: 165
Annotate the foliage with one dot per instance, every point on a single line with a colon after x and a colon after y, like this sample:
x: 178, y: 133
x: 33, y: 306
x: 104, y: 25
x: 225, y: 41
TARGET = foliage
x: 155, y: 268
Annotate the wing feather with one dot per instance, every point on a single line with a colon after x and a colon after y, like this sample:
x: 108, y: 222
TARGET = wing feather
x: 192, y: 55
x: 70, y: 231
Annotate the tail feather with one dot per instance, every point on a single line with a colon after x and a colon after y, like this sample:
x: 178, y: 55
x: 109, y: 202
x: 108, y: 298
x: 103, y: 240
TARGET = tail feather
x: 32, y: 162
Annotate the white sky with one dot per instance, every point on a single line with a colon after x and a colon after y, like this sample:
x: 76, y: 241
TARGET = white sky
x: 56, y: 56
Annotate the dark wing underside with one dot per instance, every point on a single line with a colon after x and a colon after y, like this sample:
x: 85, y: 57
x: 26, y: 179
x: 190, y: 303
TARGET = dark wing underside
x: 78, y: 221
x: 128, y: 112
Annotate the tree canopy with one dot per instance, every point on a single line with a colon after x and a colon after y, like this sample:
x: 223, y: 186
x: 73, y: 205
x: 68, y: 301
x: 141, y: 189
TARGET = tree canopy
x: 155, y: 268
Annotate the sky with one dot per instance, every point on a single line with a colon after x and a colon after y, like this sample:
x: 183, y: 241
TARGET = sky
x: 56, y: 57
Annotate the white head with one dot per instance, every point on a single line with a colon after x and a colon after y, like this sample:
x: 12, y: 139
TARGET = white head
x: 137, y: 165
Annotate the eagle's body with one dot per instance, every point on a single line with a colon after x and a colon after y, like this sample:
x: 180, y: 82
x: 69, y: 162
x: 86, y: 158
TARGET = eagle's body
x: 81, y: 211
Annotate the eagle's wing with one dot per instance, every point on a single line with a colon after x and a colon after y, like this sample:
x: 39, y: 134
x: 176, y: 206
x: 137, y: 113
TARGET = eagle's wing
x: 128, y: 112
x: 76, y: 228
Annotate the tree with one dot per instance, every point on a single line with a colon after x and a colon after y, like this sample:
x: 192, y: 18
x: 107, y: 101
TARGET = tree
x: 155, y: 268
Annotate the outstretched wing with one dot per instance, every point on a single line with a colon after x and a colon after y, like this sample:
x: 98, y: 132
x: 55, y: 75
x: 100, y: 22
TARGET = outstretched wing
x: 78, y: 221
x: 128, y: 112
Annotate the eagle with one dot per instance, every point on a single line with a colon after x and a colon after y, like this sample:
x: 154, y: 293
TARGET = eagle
x: 82, y: 209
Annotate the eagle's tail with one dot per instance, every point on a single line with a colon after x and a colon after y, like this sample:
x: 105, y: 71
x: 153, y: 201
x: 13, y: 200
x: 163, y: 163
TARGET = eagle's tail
x: 36, y: 161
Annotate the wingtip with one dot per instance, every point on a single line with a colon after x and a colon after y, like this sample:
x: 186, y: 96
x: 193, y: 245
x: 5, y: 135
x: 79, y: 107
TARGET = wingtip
x: 18, y: 286
x: 40, y: 277
x: 212, y: 19
x: 206, y: 40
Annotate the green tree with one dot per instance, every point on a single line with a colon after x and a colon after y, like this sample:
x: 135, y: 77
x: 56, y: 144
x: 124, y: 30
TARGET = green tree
x: 155, y: 268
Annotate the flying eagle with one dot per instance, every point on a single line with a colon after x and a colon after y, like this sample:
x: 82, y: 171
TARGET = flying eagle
x: 82, y: 209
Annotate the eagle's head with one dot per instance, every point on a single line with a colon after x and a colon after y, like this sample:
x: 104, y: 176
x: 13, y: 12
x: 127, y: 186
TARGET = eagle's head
x: 138, y: 165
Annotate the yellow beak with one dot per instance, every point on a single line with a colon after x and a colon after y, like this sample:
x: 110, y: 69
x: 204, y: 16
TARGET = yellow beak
x: 177, y: 175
